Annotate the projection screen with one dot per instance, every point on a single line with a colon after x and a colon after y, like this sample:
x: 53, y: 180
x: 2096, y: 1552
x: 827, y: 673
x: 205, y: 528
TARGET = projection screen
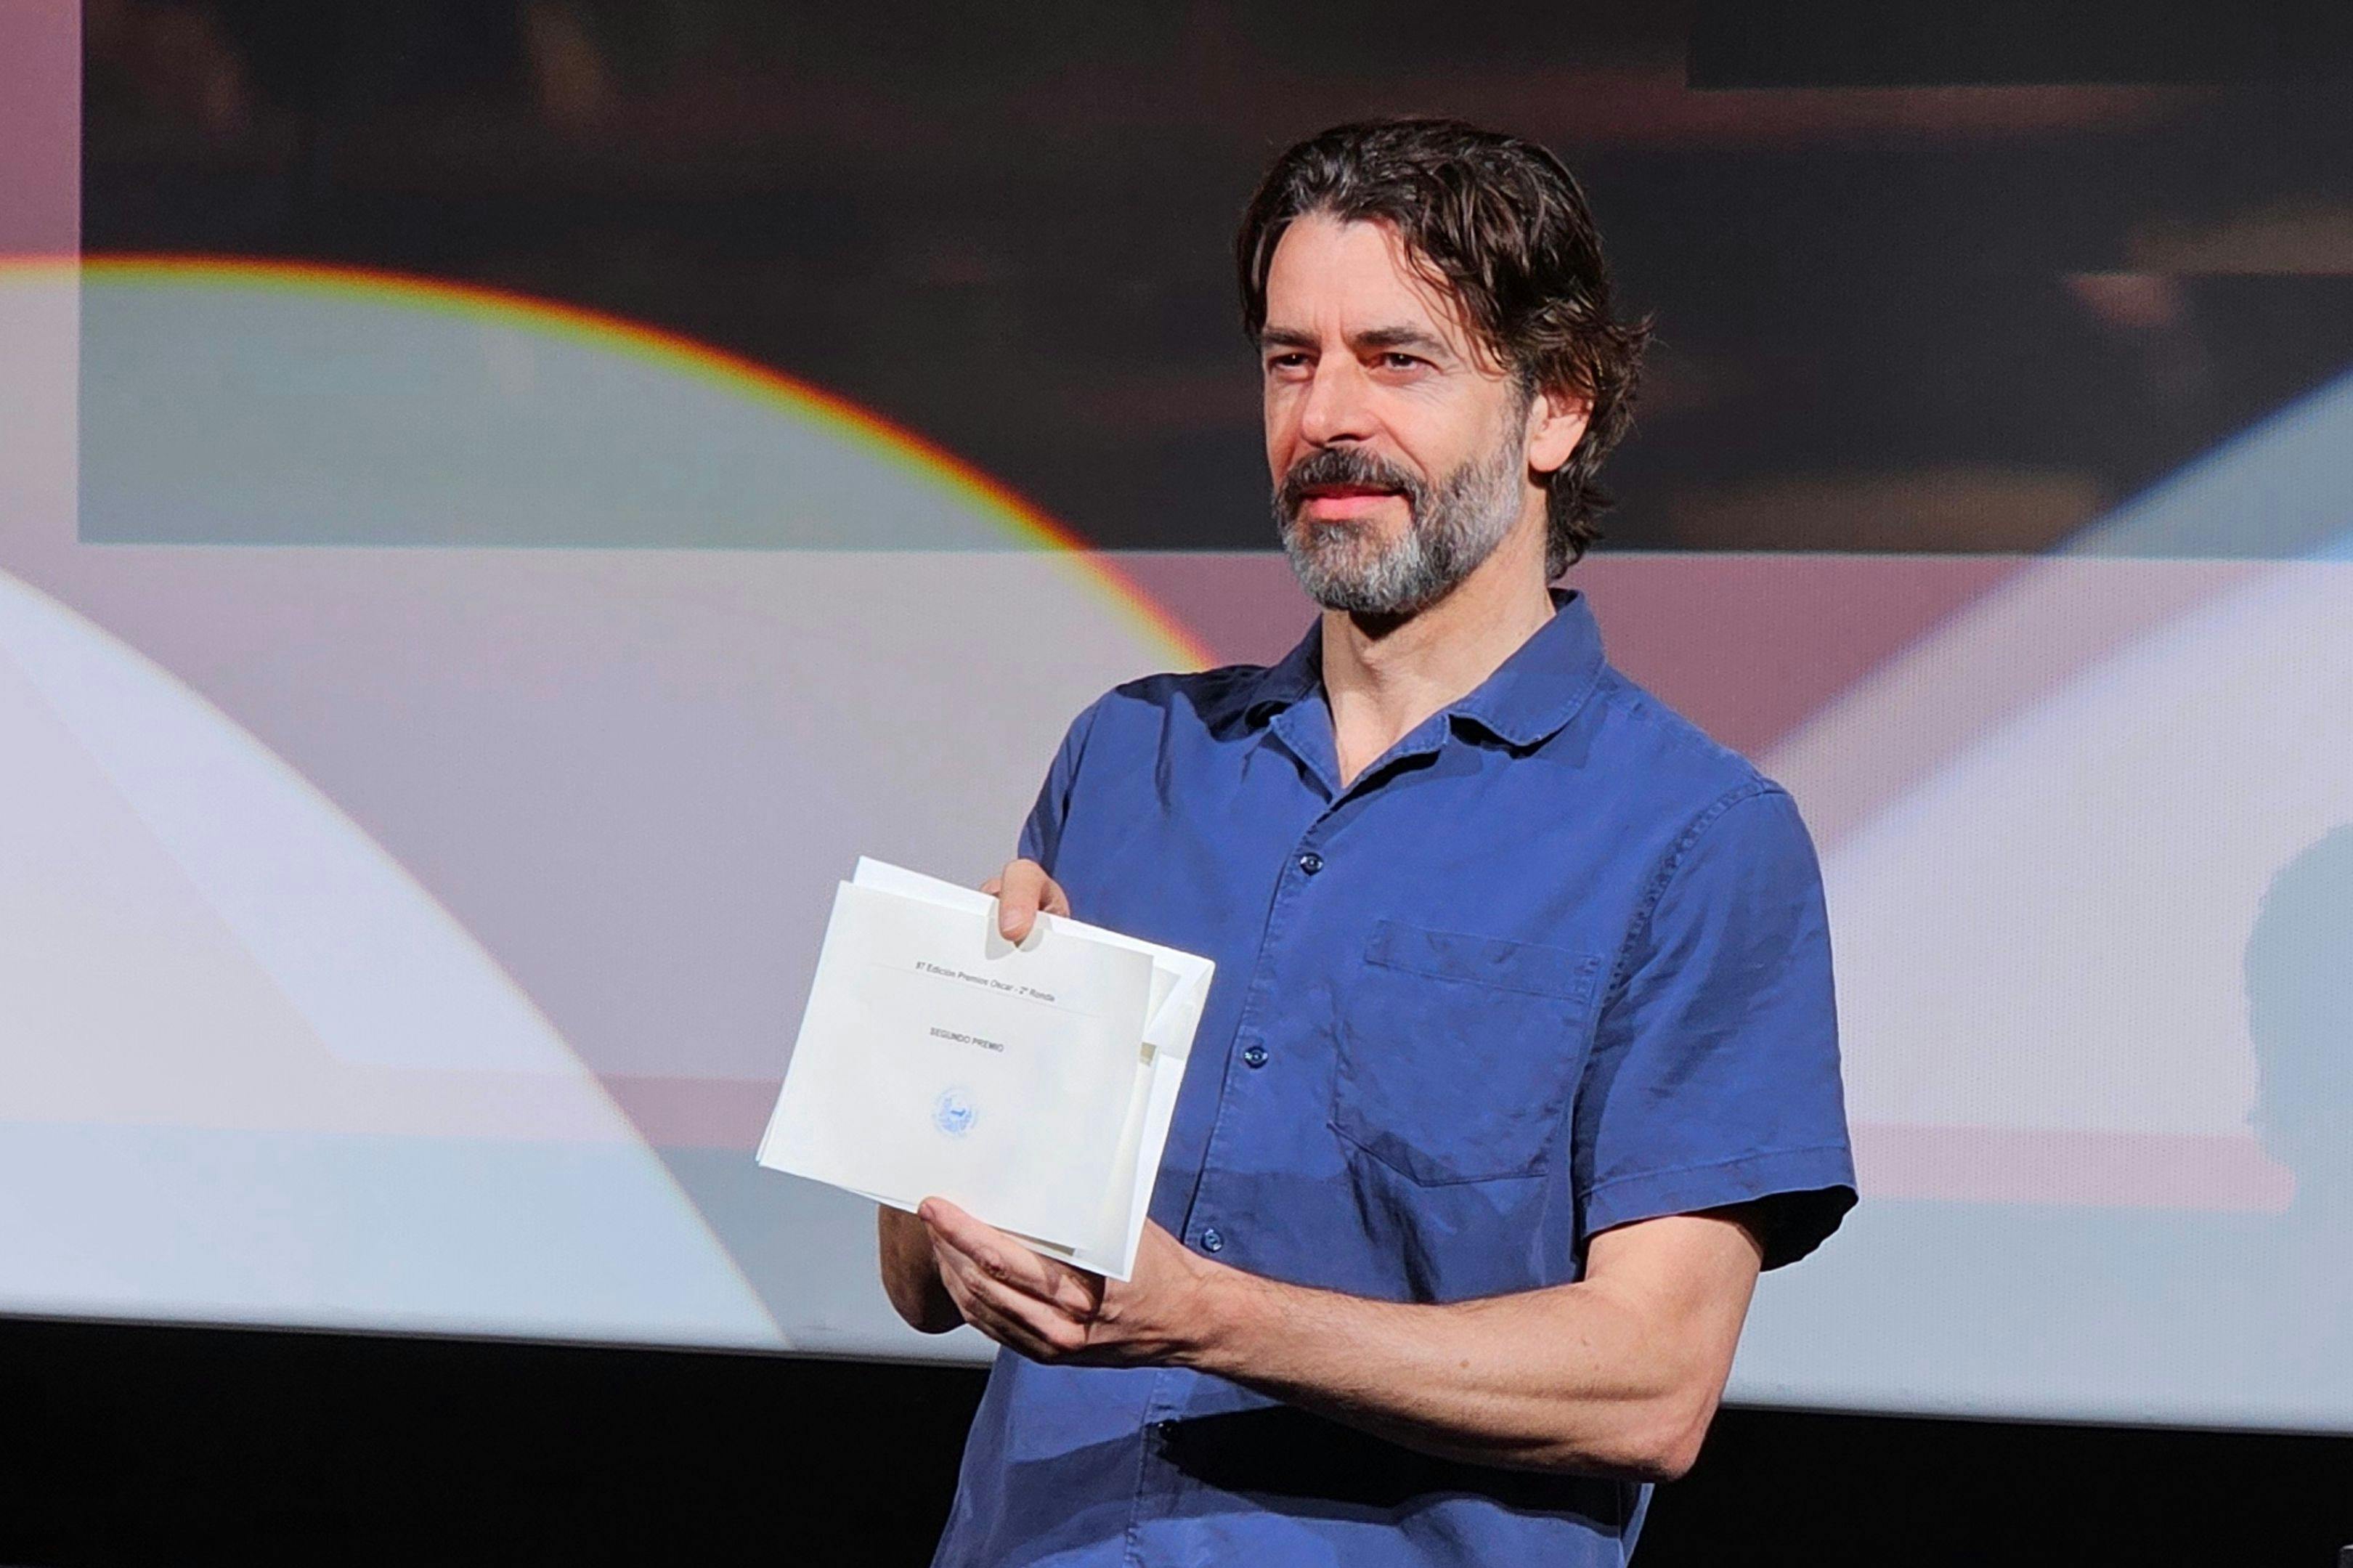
x: 434, y: 720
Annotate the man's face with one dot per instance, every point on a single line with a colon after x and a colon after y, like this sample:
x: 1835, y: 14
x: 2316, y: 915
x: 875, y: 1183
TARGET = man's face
x: 1398, y: 447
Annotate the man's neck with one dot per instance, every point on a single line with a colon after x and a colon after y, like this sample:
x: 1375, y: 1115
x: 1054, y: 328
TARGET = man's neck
x: 1383, y: 678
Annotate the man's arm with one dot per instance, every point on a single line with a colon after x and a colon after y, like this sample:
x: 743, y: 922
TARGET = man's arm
x: 1619, y: 1373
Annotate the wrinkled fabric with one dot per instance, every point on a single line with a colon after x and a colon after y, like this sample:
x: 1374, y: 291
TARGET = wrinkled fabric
x: 1554, y: 963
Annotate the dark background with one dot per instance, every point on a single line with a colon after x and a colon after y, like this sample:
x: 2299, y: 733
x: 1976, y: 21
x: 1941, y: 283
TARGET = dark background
x: 1951, y: 278
x: 164, y: 1446
x: 1927, y: 277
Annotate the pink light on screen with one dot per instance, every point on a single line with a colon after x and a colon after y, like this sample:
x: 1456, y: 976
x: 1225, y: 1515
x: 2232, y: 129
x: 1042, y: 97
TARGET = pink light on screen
x: 40, y: 128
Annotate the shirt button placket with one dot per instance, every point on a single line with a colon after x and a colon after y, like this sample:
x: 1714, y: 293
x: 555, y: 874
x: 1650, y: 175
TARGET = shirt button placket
x: 1254, y: 1056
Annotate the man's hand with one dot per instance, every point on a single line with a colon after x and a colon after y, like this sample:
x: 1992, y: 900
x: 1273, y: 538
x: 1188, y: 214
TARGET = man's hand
x: 1021, y: 889
x: 1050, y: 1311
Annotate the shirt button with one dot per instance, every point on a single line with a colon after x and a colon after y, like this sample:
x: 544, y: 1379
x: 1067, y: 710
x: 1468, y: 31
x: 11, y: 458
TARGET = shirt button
x: 1213, y: 1240
x: 1254, y: 1056
x: 1164, y: 1430
x: 1311, y: 862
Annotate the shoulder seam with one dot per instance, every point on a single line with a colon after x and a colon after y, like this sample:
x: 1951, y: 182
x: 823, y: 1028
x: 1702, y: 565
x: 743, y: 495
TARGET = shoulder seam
x: 1216, y: 676
x: 1751, y: 788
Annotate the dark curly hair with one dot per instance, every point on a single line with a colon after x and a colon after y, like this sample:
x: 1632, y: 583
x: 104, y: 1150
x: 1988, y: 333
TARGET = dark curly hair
x: 1501, y: 226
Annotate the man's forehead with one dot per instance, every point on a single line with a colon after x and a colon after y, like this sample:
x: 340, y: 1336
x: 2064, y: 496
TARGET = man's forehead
x: 1353, y: 275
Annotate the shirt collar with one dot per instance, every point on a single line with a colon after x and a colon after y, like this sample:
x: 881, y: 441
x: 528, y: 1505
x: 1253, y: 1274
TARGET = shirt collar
x: 1525, y: 703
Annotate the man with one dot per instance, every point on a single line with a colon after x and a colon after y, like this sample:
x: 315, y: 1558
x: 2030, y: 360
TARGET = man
x: 1520, y: 1061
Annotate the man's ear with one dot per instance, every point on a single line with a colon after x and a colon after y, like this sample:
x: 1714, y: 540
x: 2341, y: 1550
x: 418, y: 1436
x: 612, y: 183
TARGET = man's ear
x: 1556, y: 424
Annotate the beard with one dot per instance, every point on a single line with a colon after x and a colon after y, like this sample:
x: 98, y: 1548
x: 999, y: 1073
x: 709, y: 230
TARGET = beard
x: 1451, y: 528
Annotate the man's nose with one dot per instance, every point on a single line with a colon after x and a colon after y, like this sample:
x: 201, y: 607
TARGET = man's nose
x: 1335, y: 409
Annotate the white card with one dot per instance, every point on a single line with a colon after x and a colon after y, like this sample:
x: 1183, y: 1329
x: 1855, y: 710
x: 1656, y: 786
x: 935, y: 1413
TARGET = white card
x: 937, y: 1057
x: 1066, y: 1189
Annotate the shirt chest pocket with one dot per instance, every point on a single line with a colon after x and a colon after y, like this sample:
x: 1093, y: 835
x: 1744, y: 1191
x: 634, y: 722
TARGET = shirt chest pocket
x: 1457, y: 1054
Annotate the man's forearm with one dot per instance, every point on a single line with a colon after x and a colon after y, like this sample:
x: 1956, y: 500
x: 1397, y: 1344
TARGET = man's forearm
x: 911, y: 1276
x: 1578, y: 1377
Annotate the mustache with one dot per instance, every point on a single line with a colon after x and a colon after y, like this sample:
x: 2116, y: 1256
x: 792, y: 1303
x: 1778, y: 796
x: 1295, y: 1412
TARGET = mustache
x: 1347, y: 466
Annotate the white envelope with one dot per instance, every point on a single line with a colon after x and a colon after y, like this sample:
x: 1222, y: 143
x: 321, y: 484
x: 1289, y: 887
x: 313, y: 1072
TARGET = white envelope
x: 1078, y: 1189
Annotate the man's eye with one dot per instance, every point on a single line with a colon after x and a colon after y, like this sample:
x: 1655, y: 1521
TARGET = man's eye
x: 1399, y: 361
x: 1286, y: 362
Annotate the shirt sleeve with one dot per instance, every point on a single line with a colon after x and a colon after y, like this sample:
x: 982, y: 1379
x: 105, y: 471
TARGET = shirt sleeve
x: 1715, y: 1073
x: 1041, y: 835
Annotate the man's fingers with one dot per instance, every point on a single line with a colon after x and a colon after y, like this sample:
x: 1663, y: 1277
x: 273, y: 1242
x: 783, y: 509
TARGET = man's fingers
x: 999, y: 1257
x: 1012, y: 1318
x: 1021, y: 891
x: 994, y: 1256
x: 991, y: 1251
x: 1026, y: 1324
x: 973, y: 1310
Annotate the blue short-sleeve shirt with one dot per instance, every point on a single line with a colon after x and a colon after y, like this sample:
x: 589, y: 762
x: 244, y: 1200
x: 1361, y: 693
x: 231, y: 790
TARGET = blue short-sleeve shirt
x: 1556, y: 963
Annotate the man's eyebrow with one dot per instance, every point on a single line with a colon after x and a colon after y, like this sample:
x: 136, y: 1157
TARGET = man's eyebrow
x: 1399, y: 338
x: 1374, y: 338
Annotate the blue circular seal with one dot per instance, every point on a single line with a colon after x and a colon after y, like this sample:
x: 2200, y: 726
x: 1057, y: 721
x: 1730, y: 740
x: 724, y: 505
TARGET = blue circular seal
x: 953, y: 1112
